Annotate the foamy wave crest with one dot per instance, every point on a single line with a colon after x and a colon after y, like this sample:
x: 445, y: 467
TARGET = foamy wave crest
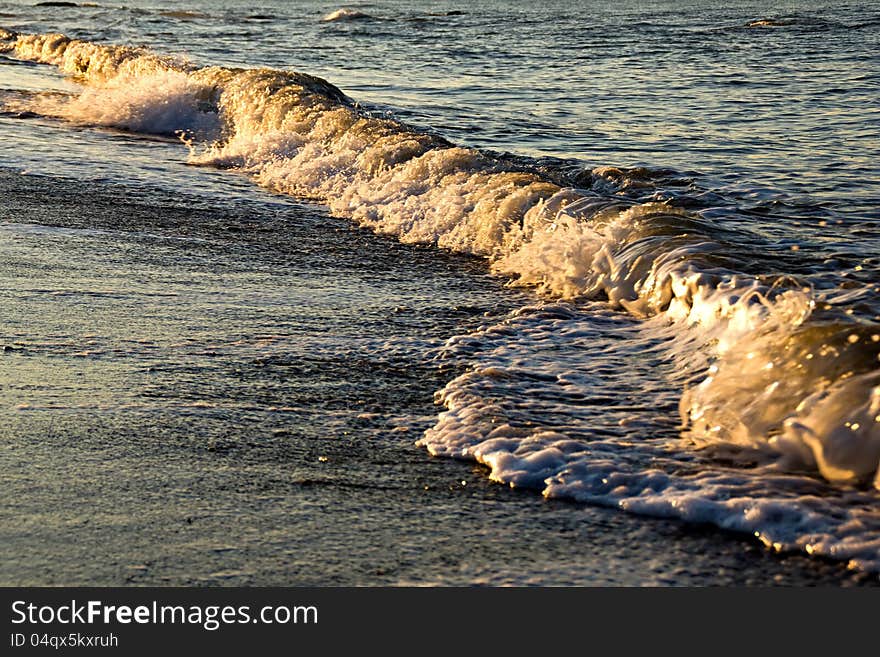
x: 600, y: 429
x: 162, y: 103
x: 771, y: 22
x: 780, y: 366
x: 89, y: 61
x: 127, y: 88
x: 344, y: 14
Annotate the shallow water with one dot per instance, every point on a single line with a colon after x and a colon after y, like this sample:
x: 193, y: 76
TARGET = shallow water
x: 156, y: 432
x: 678, y: 204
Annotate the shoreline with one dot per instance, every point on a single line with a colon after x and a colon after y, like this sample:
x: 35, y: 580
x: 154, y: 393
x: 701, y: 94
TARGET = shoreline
x: 156, y: 464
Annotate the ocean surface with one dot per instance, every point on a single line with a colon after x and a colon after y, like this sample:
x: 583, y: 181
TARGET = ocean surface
x: 624, y: 256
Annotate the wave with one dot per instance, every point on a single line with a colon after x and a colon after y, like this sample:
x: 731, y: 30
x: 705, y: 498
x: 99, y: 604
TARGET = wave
x: 779, y: 356
x: 771, y: 22
x: 804, y: 22
x: 575, y: 401
x: 344, y: 14
x: 183, y: 14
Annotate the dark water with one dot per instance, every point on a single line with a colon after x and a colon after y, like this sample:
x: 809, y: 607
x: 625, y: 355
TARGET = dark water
x: 677, y: 205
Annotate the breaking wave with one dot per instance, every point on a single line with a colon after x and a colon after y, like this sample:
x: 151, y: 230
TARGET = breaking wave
x: 776, y: 354
x: 344, y: 14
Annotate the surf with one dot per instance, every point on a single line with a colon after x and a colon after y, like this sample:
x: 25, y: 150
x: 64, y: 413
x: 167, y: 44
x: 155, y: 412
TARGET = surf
x: 776, y: 353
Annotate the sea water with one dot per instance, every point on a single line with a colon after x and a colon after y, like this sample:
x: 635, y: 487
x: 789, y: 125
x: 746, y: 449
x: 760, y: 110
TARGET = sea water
x: 679, y: 203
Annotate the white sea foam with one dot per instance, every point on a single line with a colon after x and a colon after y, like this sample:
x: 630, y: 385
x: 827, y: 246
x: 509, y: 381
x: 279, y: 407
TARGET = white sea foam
x: 344, y: 14
x: 162, y: 103
x: 539, y: 414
